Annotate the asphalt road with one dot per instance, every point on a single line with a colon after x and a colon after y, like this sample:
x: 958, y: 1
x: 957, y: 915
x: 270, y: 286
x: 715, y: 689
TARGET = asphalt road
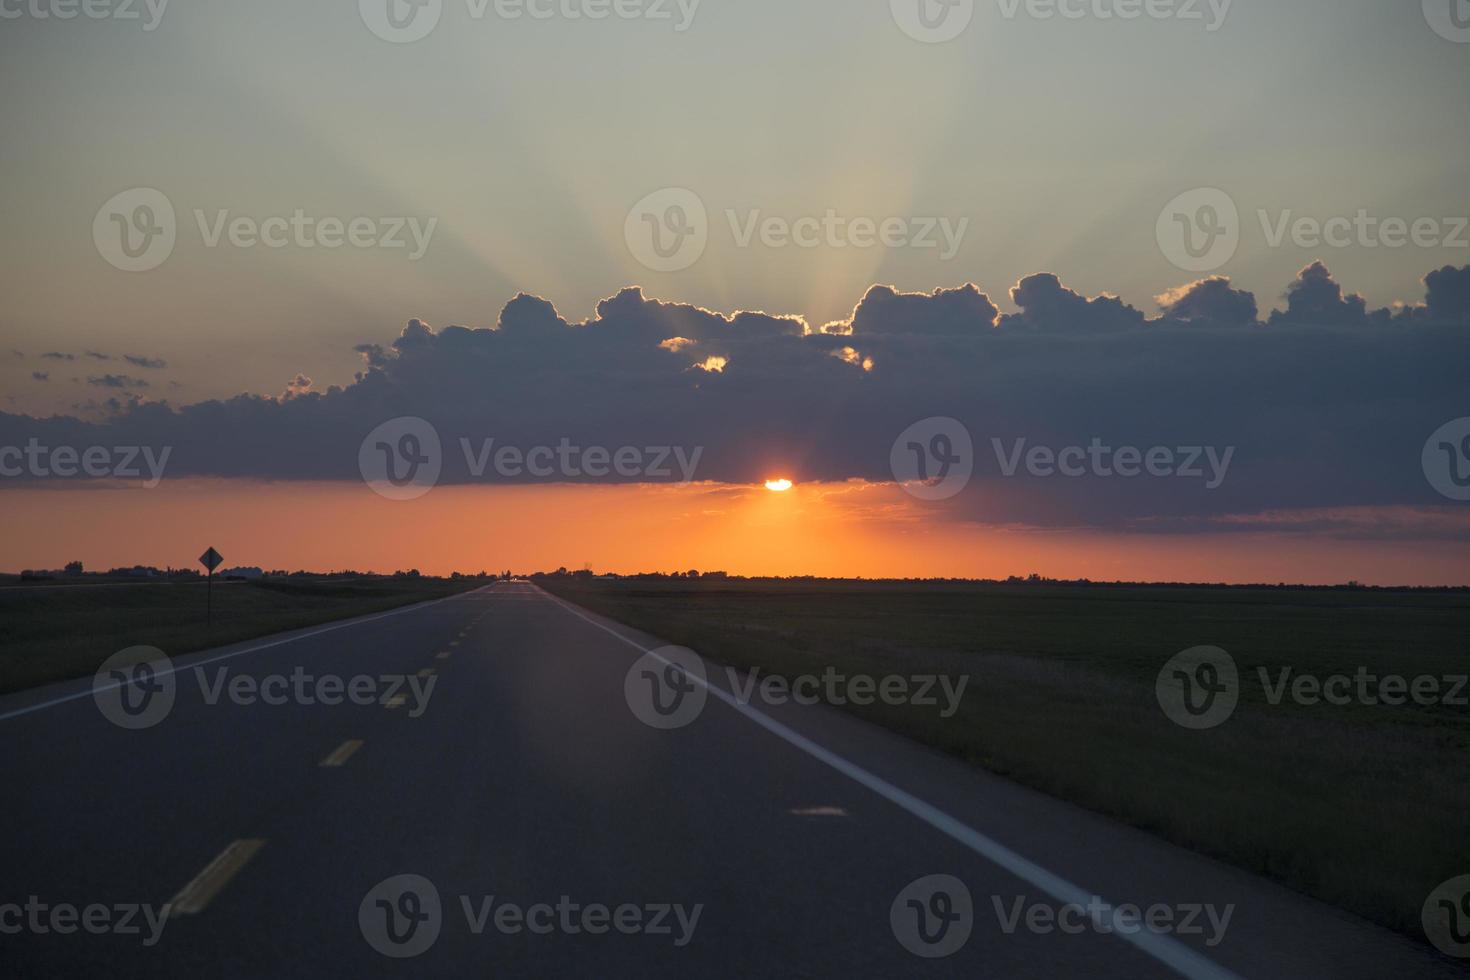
x: 550, y: 832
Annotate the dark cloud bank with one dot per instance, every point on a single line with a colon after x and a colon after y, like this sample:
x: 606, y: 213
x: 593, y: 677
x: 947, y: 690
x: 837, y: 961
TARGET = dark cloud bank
x: 1327, y: 403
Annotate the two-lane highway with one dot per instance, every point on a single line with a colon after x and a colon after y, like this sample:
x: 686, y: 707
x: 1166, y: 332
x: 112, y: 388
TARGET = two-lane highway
x: 467, y: 788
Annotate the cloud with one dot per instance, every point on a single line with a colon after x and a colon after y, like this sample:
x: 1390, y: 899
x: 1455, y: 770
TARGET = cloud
x: 1047, y: 305
x: 1317, y: 299
x: 151, y: 363
x: 943, y: 313
x: 94, y: 355
x: 1320, y: 413
x: 1209, y: 302
x: 116, y: 381
x: 58, y: 356
x: 41, y: 375
x: 1447, y: 298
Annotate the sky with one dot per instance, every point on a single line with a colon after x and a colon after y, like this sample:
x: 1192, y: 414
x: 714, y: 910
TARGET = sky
x: 813, y: 151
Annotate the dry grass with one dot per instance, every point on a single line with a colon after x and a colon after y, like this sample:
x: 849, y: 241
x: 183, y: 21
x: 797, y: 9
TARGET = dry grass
x: 54, y: 634
x: 1361, y: 806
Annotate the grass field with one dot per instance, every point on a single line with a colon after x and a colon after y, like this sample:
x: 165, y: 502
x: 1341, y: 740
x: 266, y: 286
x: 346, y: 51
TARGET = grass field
x: 1362, y: 806
x: 51, y: 634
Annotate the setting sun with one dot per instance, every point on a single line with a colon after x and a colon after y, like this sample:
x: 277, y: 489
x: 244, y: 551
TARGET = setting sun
x: 779, y: 486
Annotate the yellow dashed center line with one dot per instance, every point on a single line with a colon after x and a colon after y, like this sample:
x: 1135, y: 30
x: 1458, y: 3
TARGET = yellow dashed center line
x: 397, y: 701
x: 342, y: 754
x: 428, y: 672
x: 443, y: 655
x: 818, y: 811
x: 194, y: 897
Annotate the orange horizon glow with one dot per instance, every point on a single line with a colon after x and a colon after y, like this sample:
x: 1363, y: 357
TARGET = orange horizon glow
x: 845, y: 530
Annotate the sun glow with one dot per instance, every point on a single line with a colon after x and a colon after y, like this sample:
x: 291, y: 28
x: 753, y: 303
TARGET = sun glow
x: 779, y: 486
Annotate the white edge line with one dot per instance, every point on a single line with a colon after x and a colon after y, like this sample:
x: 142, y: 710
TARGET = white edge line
x: 1166, y: 949
x: 92, y: 690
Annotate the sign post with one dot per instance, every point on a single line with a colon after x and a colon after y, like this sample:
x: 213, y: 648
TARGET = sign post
x: 210, y: 560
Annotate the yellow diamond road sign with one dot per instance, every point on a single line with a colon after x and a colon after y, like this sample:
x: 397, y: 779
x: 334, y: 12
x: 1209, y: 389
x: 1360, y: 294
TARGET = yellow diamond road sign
x: 211, y: 559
